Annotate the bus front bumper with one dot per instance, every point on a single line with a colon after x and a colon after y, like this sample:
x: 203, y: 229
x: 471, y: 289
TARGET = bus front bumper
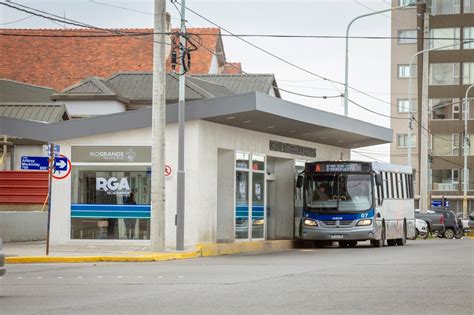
x: 353, y: 234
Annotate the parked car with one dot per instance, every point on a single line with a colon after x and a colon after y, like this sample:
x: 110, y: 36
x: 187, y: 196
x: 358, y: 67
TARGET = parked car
x: 2, y: 260
x: 435, y: 222
x: 421, y: 229
x: 451, y: 224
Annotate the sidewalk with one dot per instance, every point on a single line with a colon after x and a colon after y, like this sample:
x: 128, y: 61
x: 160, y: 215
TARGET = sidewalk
x: 35, y: 252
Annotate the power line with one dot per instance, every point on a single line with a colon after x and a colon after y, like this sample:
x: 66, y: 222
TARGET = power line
x: 377, y: 113
x: 16, y: 21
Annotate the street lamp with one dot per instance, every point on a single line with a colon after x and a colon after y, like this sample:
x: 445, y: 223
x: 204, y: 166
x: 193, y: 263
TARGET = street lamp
x: 346, y: 82
x: 466, y: 145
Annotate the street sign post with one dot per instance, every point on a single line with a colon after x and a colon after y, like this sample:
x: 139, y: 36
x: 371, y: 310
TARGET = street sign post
x: 35, y: 163
x: 439, y: 204
x: 56, y: 149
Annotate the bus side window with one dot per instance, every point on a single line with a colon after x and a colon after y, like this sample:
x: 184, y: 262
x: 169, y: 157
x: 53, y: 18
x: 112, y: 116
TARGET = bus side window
x: 399, y: 186
x: 379, y: 191
x: 386, y: 189
x: 402, y: 186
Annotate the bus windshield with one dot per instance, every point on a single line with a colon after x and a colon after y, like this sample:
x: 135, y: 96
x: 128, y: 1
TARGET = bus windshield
x: 338, y: 192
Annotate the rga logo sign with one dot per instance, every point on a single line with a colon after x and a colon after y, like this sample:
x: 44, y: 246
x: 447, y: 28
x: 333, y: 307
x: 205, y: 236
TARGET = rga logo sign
x: 113, y: 185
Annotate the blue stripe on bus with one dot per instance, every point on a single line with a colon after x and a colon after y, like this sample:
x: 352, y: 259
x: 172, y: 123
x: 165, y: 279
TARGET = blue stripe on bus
x: 110, y: 211
x: 339, y: 216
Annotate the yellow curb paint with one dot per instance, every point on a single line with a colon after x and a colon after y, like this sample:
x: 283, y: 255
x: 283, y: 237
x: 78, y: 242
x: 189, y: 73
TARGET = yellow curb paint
x: 202, y: 250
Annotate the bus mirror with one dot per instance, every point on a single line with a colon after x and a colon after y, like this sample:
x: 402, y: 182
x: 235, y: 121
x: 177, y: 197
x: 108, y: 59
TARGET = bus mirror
x: 299, y: 181
x: 378, y: 179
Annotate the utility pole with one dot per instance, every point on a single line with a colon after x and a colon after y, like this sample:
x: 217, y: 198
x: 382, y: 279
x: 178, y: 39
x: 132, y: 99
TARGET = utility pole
x: 158, y: 126
x: 180, y: 192
x: 425, y: 201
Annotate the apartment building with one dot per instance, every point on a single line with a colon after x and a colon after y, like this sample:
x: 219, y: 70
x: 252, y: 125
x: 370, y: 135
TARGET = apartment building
x: 439, y: 90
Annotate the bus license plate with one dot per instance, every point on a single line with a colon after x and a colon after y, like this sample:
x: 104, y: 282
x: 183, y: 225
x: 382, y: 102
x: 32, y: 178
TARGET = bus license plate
x: 336, y: 236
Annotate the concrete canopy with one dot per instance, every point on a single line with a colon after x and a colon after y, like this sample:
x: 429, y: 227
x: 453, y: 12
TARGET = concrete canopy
x: 253, y: 111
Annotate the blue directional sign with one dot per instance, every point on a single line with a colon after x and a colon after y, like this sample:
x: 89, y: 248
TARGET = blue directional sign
x: 439, y: 204
x: 37, y: 163
x: 60, y: 164
x: 56, y: 149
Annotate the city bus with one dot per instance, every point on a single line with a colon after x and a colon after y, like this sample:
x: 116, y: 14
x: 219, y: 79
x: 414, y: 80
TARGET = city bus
x: 348, y: 201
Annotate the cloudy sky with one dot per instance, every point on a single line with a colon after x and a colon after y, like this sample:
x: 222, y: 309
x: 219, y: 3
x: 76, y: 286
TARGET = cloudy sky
x: 369, y: 58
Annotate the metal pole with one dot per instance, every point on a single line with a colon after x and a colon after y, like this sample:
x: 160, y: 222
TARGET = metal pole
x: 50, y: 186
x: 157, y: 220
x: 180, y: 192
x: 346, y: 74
x: 465, y: 153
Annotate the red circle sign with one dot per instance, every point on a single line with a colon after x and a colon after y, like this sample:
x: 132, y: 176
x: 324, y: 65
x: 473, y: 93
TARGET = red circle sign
x: 168, y: 170
x: 68, y: 171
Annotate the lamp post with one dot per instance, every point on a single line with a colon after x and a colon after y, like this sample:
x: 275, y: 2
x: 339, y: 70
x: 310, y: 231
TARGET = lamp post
x: 466, y: 145
x: 346, y: 82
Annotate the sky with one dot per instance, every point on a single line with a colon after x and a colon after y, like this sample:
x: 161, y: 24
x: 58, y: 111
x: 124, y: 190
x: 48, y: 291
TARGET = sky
x: 369, y: 60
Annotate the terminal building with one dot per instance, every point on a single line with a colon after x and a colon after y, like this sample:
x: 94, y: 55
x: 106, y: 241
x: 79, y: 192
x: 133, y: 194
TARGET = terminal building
x: 243, y: 152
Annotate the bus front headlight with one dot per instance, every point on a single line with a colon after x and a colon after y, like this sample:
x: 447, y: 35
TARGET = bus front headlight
x: 364, y: 222
x: 310, y: 222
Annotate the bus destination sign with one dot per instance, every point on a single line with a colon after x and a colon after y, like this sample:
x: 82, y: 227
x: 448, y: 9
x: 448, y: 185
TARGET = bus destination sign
x: 337, y: 167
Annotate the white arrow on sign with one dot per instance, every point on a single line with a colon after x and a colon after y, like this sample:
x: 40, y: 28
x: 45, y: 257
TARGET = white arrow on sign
x: 61, y: 164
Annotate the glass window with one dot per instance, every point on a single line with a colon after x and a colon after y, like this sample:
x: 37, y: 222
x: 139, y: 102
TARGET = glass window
x: 404, y: 71
x: 258, y: 162
x: 468, y: 35
x: 402, y: 140
x: 468, y: 6
x: 110, y: 202
x: 258, y: 204
x: 445, y: 144
x: 403, y: 105
x: 450, y: 36
x: 407, y: 36
x: 444, y: 108
x: 242, y: 204
x: 439, y: 7
x: 444, y: 73
x: 242, y: 160
x: 468, y: 73
x: 405, y: 2
x: 445, y: 179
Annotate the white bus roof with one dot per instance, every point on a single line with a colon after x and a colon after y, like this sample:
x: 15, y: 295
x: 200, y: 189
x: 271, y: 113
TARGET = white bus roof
x: 387, y: 167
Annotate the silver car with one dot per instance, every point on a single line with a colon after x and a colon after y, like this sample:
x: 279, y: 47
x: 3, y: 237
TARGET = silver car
x: 2, y: 260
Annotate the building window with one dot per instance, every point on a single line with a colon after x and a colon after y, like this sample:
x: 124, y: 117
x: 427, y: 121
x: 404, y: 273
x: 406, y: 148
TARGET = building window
x: 407, y: 36
x: 439, y: 7
x: 444, y: 73
x: 110, y: 202
x: 468, y: 6
x: 445, y: 180
x: 403, y: 105
x: 405, y: 2
x: 404, y: 71
x: 402, y: 140
x: 450, y: 36
x: 468, y: 73
x: 468, y: 35
x: 444, y: 108
x: 444, y: 144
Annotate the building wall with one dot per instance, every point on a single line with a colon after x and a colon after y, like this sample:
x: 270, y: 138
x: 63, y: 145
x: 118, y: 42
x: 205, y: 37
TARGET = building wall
x: 90, y: 109
x: 203, y: 139
x: 402, y: 19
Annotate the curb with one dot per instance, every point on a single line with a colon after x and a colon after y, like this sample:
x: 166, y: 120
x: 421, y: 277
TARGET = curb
x: 202, y: 250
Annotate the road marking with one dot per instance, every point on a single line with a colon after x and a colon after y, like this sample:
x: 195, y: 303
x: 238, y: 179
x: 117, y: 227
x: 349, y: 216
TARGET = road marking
x: 39, y: 277
x: 80, y: 277
x: 160, y: 277
x: 120, y: 277
x: 99, y: 277
x: 140, y: 277
x: 60, y: 277
x: 19, y: 278
x: 180, y: 277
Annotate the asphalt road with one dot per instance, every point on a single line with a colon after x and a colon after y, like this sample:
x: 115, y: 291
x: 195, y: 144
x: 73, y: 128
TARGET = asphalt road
x: 423, y: 277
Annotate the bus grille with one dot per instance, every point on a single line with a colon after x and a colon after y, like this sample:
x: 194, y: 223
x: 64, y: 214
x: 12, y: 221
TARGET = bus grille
x: 329, y: 222
x: 345, y: 222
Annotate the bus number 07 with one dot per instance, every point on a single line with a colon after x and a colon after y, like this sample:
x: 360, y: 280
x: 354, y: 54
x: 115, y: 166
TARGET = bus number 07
x: 364, y: 215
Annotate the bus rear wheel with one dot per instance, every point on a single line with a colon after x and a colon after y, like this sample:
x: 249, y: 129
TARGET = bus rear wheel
x: 391, y: 242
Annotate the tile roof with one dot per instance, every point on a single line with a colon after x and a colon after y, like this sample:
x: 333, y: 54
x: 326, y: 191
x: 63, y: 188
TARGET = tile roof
x: 42, y: 58
x: 42, y: 112
x: 136, y: 87
x: 13, y: 91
